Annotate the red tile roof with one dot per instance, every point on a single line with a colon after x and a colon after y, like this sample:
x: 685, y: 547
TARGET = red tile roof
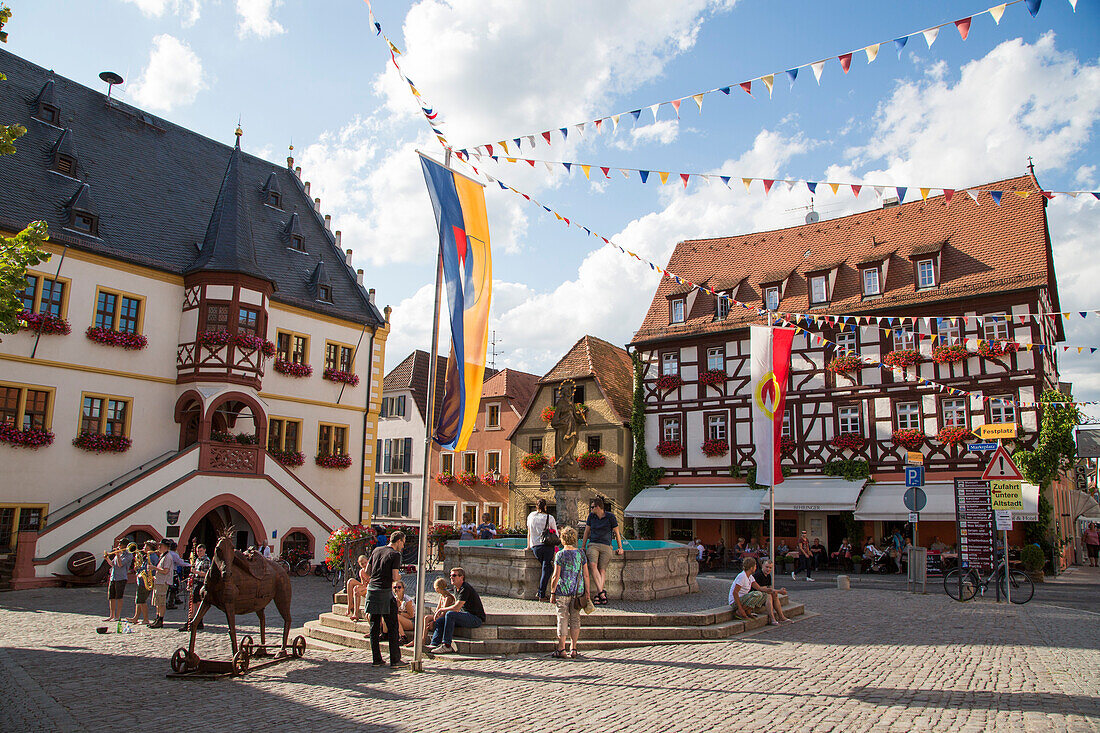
x: 610, y: 365
x: 985, y: 249
x: 412, y: 374
x: 516, y: 385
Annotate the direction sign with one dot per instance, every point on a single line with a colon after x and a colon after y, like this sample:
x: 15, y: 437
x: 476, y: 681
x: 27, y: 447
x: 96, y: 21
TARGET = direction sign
x: 914, y: 476
x: 1006, y: 496
x: 1001, y: 467
x: 915, y: 499
x: 914, y: 457
x: 981, y: 447
x: 996, y: 431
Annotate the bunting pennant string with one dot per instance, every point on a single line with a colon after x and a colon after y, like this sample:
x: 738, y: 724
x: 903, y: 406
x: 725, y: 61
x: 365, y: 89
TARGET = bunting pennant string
x: 996, y: 195
x: 800, y: 326
x: 963, y: 25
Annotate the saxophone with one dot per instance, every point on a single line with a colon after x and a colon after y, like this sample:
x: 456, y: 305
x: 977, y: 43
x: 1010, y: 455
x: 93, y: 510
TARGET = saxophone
x: 145, y: 576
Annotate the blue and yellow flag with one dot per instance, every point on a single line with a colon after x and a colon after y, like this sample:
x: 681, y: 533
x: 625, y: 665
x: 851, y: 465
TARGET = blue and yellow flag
x: 459, y: 204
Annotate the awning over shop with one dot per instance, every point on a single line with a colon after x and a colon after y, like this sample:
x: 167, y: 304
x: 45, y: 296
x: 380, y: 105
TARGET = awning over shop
x: 1084, y: 505
x: 815, y: 494
x: 884, y: 503
x: 708, y: 501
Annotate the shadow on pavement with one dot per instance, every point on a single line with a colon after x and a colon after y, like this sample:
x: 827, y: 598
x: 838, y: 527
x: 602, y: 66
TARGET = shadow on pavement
x: 1045, y: 702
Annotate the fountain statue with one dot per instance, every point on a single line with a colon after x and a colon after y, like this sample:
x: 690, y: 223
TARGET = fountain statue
x: 567, y: 484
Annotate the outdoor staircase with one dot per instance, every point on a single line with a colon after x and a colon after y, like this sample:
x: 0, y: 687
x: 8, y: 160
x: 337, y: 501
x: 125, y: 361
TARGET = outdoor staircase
x: 528, y: 633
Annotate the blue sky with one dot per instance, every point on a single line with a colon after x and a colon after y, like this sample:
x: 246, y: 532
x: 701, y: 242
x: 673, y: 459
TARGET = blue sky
x: 955, y: 115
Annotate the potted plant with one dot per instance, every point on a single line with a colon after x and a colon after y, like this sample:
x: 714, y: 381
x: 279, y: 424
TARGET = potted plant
x: 289, y: 458
x: 101, y: 443
x: 446, y: 478
x: 950, y: 353
x: 46, y: 324
x: 712, y: 377
x: 952, y: 434
x: 467, y: 478
x: 908, y: 438
x: 591, y: 460
x: 107, y: 337
x: 849, y: 441
x: 857, y: 563
x: 845, y: 364
x: 786, y: 447
x: 215, y: 339
x: 293, y: 368
x: 1032, y: 558
x: 28, y: 438
x: 669, y: 381
x: 715, y: 448
x: 534, y: 462
x: 339, y: 375
x: 328, y: 461
x: 669, y: 448
x: 903, y: 358
x: 994, y: 349
x: 547, y: 414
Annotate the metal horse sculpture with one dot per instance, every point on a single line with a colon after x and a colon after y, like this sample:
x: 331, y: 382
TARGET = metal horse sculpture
x: 239, y: 583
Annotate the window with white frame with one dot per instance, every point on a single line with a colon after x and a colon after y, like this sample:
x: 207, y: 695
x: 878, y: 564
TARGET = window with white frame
x: 722, y: 308
x: 954, y: 412
x: 771, y: 297
x: 447, y: 463
x: 469, y: 462
x: 445, y: 513
x: 847, y: 341
x: 926, y: 273
x: 492, y: 461
x: 787, y: 433
x: 716, y: 358
x: 670, y: 363
x: 904, y: 338
x: 848, y: 419
x: 818, y: 291
x: 949, y: 333
x: 908, y: 415
x: 677, y: 310
x: 996, y: 327
x: 716, y: 427
x: 1002, y: 409
x: 670, y: 428
x: 492, y: 416
x: 871, y: 284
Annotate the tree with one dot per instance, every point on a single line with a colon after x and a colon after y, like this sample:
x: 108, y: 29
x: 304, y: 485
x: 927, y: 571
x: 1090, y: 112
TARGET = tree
x: 24, y: 249
x: 641, y: 475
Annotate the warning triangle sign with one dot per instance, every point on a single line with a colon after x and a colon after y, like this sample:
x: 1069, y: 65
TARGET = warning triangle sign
x: 1001, y: 467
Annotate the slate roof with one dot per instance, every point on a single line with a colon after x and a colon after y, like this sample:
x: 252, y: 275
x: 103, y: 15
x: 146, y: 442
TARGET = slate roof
x: 155, y: 186
x: 412, y: 374
x: 984, y: 250
x: 608, y: 364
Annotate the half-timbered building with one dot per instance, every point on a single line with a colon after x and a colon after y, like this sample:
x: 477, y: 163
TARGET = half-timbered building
x: 943, y: 290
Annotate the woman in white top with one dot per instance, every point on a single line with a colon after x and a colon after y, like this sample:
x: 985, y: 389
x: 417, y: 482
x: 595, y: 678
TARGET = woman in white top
x: 406, y: 611
x: 541, y: 524
x: 467, y: 528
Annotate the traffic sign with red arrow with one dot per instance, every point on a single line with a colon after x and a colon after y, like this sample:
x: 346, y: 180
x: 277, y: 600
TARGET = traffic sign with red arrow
x: 1001, y: 467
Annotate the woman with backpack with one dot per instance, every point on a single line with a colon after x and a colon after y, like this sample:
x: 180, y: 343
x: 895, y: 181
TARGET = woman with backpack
x: 542, y: 540
x: 569, y: 591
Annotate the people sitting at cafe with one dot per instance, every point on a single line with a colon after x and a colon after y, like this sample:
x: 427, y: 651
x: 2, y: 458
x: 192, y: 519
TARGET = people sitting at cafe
x: 753, y: 548
x: 937, y: 546
x: 843, y: 555
x: 874, y: 559
x: 820, y: 554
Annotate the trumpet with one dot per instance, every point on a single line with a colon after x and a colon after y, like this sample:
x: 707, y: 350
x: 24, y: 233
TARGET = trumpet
x: 132, y: 548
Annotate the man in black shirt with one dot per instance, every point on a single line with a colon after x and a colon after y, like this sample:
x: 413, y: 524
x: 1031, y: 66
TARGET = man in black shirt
x: 385, y: 569
x: 466, y: 611
x: 763, y: 578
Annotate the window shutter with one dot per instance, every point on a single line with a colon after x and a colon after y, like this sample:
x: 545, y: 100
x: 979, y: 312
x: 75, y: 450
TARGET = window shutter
x: 401, y: 405
x: 385, y: 498
x: 408, y: 454
x: 405, y: 487
x: 378, y: 458
x: 387, y: 447
x: 385, y: 401
x: 377, y: 496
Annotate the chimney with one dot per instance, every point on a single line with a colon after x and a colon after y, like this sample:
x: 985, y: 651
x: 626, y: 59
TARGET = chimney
x: 317, y: 205
x: 328, y: 222
x: 890, y: 201
x: 298, y: 172
x: 338, y: 239
x: 347, y: 257
x: 307, y: 188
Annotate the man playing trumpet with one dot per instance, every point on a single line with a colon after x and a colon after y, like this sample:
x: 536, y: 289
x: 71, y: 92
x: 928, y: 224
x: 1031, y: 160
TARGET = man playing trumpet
x: 119, y: 559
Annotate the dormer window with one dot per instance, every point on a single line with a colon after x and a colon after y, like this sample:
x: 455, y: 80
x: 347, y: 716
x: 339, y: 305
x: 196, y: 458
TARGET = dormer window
x: 819, y: 292
x: 273, y: 199
x: 271, y: 193
x: 771, y: 297
x: 65, y: 164
x: 722, y: 309
x: 296, y: 242
x: 677, y: 310
x: 45, y: 105
x: 324, y: 293
x: 871, y: 282
x: 48, y: 113
x: 85, y: 223
x: 926, y: 273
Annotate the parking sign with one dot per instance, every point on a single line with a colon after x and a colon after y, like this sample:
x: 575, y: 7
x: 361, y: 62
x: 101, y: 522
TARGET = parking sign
x: 914, y: 476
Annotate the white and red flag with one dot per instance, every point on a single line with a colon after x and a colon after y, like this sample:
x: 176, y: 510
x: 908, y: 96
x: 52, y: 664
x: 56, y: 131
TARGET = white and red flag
x: 770, y: 367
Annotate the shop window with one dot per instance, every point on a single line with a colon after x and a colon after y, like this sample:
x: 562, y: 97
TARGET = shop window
x: 681, y: 530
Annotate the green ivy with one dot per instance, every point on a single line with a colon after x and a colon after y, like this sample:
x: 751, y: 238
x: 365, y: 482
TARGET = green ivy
x: 851, y: 469
x: 1055, y: 450
x: 641, y: 475
x: 735, y: 471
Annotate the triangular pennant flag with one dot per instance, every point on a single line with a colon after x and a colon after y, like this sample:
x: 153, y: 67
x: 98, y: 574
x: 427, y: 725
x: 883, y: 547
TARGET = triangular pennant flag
x: 546, y: 136
x: 899, y: 44
x: 684, y: 178
x: 587, y: 170
x: 768, y: 186
x: 626, y: 173
x: 769, y: 82
x: 818, y: 67
x: 947, y: 194
x: 835, y: 187
x: 997, y: 11
x: 901, y: 193
x: 725, y: 90
x: 568, y: 167
x: 644, y: 175
x: 1073, y: 3
x: 635, y: 113
x: 531, y: 140
x: 503, y: 145
x: 930, y: 36
x: 845, y: 61
x: 747, y: 86
x: 615, y: 121
x: 1048, y: 195
x: 856, y: 189
x: 974, y: 195
x: 676, y: 106
x: 879, y: 190
x: 792, y: 74
x: 489, y: 148
x: 605, y: 171
x: 698, y: 100
x: 1023, y: 194
x: 924, y: 193
x: 653, y: 108
x: 516, y: 141
x: 996, y: 195
x: 963, y: 24
x: 791, y: 184
x: 1033, y: 6
x: 580, y: 129
x: 872, y: 52
x: 812, y: 186
x: 725, y: 180
x: 746, y: 181
x: 598, y: 123
x: 564, y: 133
x: 664, y: 177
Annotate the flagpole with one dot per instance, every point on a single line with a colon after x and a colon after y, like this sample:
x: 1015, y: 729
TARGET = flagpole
x: 429, y: 429
x: 771, y: 509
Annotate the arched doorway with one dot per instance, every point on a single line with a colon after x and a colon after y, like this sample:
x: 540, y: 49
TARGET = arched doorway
x: 214, y: 516
x: 190, y: 417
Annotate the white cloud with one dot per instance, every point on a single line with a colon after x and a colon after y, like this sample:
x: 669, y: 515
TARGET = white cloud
x: 187, y: 10
x: 255, y: 18
x: 662, y: 132
x: 172, y: 78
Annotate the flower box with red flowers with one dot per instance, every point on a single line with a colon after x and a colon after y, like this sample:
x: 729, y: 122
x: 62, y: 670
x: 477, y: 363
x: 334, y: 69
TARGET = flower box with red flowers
x: 953, y: 434
x: 715, y: 448
x: 250, y: 342
x: 591, y: 460
x: 446, y: 478
x: 29, y: 438
x: 908, y: 438
x: 950, y: 353
x: 547, y: 414
x: 669, y: 381
x: 100, y: 443
x: 534, y: 462
x: 288, y: 457
x: 467, y: 478
x: 786, y: 447
x: 712, y: 377
x: 107, y: 337
x: 993, y: 349
x: 903, y: 358
x: 494, y: 479
x: 293, y: 368
x: 337, y: 544
x: 845, y: 365
x: 338, y: 375
x: 215, y: 339
x: 326, y: 461
x: 46, y: 324
x: 849, y: 441
x: 669, y: 448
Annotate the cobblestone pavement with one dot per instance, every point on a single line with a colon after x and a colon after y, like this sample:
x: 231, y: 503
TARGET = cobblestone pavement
x: 863, y: 660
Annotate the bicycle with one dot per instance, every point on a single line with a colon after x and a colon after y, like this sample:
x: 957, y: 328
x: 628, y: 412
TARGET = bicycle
x: 962, y: 584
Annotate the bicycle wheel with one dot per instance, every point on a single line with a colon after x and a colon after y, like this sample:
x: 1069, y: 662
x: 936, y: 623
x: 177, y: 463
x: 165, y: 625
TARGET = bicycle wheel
x: 1022, y: 587
x: 338, y: 579
x: 284, y: 565
x: 301, y: 568
x: 960, y: 584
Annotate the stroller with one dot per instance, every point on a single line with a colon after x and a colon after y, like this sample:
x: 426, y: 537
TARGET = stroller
x: 876, y: 563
